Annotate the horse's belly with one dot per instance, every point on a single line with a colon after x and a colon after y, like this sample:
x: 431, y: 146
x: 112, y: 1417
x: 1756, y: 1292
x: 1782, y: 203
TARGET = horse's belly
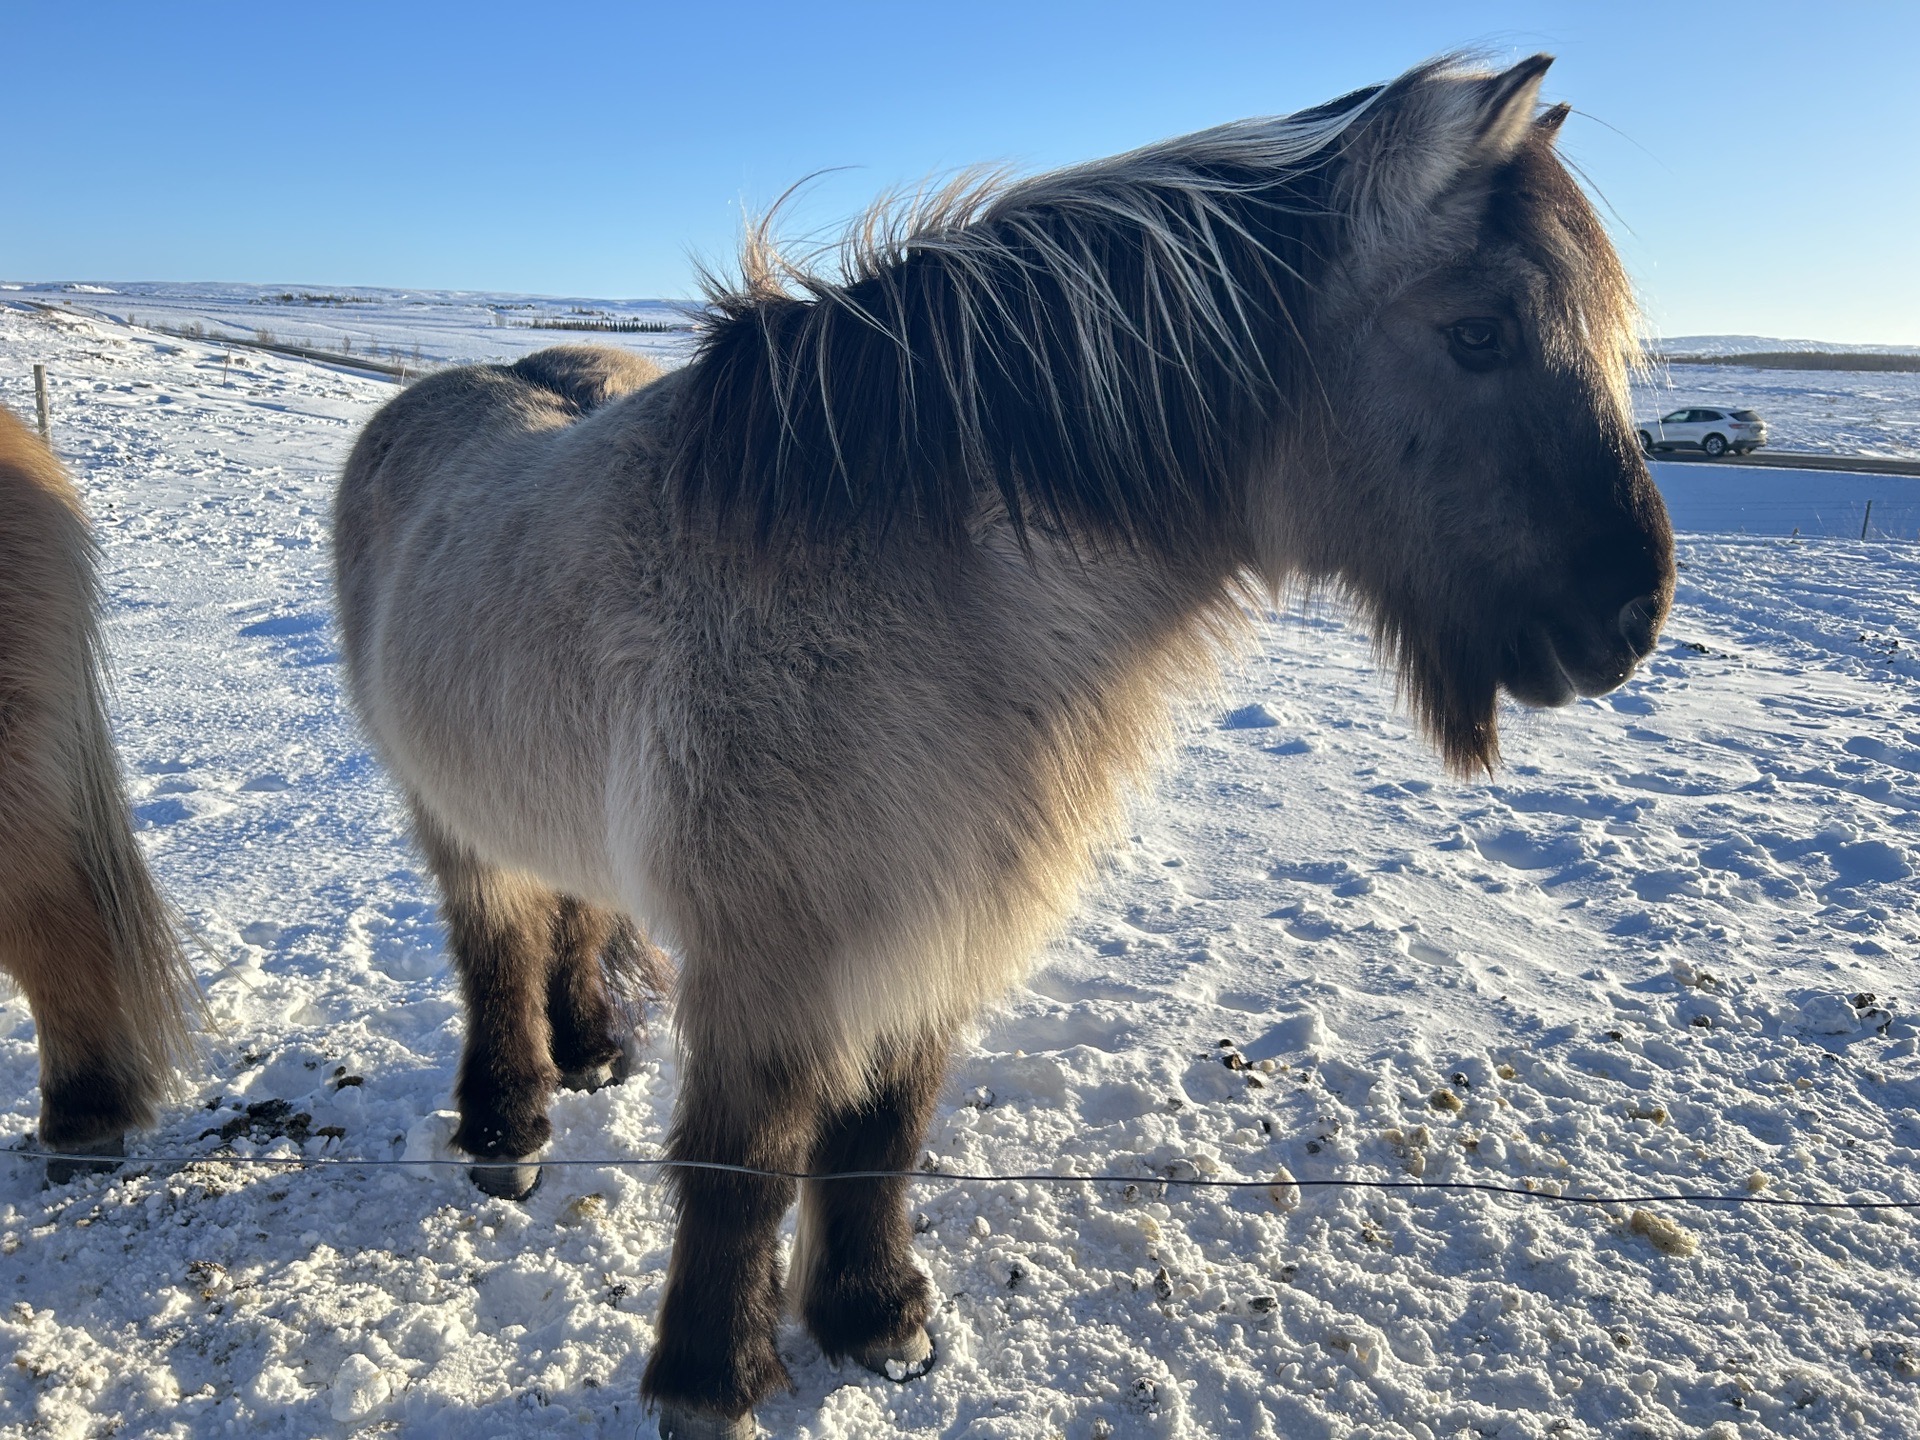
x: 506, y: 754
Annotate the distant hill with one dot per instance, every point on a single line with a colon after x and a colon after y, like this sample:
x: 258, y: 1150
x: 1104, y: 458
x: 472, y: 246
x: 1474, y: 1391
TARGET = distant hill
x: 1765, y: 352
x: 1804, y: 360
x: 1766, y: 344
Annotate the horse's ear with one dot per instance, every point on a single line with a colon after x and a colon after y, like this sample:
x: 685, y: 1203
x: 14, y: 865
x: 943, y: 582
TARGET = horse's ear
x: 1430, y: 129
x: 1552, y: 119
x: 1507, y: 105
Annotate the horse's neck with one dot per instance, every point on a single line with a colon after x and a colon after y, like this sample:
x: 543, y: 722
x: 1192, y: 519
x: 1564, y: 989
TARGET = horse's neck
x: 1099, y: 619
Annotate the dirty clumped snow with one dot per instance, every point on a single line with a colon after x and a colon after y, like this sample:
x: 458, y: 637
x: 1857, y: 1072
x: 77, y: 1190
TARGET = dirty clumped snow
x: 1668, y: 948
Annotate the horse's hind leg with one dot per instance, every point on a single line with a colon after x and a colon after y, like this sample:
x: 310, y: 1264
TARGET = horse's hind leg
x: 94, y: 1085
x: 500, y: 927
x: 588, y: 1030
x: 860, y: 1292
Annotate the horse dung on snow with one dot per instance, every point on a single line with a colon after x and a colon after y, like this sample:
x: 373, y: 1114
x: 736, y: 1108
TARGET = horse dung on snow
x: 83, y: 931
x: 828, y: 658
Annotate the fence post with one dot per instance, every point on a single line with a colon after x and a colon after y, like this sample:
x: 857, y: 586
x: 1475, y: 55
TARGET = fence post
x: 1866, y: 520
x: 40, y: 403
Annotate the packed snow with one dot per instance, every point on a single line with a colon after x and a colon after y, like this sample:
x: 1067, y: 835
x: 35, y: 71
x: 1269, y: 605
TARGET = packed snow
x: 1667, y: 948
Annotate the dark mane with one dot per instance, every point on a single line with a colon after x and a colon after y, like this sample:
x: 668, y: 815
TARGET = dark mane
x: 1092, y: 349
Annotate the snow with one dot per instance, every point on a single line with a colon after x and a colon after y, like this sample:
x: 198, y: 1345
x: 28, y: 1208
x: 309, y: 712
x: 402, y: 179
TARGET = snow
x: 1744, y: 500
x: 1667, y: 948
x: 1870, y: 412
x: 1767, y: 344
x: 417, y: 326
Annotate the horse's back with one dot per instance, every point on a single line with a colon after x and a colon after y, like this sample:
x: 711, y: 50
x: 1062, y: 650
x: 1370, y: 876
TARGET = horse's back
x: 422, y: 431
x: 463, y: 444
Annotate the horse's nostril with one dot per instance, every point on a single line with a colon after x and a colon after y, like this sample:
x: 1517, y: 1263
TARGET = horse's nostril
x: 1636, y: 622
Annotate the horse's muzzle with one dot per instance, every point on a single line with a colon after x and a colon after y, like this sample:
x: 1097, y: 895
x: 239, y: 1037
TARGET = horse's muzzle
x: 1548, y: 664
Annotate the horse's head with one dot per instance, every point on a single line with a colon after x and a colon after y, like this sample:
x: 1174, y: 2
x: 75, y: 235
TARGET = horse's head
x: 1475, y: 485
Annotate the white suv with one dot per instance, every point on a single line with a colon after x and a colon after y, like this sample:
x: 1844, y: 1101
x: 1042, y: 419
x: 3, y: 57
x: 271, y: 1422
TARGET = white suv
x: 1715, y: 431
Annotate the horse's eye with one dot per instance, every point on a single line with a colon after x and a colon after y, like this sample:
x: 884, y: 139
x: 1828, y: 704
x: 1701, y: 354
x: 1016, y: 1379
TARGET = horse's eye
x: 1475, y: 344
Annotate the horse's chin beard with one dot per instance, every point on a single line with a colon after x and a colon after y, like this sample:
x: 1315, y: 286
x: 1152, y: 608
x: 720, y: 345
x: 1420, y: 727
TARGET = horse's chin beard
x: 1454, y: 693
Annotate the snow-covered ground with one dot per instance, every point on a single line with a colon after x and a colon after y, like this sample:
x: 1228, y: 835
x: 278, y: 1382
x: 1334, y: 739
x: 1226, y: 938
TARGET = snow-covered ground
x: 1640, y: 959
x: 1749, y: 500
x: 1834, y: 412
x: 1766, y: 345
x: 421, y: 327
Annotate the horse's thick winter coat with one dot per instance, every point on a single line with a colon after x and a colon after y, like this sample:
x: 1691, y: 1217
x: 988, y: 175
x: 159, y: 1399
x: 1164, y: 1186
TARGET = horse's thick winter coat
x: 82, y: 929
x: 829, y: 657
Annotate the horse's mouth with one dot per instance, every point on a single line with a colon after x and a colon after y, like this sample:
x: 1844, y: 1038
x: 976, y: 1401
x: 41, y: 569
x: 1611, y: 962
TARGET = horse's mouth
x: 1547, y: 665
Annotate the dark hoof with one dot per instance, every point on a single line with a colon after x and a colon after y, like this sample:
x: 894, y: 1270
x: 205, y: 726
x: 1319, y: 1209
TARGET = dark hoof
x: 514, y: 1180
x: 901, y: 1360
x: 64, y: 1171
x: 592, y: 1077
x: 682, y: 1422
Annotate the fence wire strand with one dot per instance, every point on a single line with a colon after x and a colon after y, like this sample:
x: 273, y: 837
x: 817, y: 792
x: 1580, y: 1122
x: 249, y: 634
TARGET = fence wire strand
x: 1700, y: 1198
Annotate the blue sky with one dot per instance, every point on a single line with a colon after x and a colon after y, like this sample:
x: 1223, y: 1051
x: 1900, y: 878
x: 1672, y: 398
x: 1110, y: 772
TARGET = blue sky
x: 1762, y: 159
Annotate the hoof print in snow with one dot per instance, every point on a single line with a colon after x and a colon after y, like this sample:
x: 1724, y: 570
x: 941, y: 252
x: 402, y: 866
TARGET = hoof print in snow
x: 1250, y: 717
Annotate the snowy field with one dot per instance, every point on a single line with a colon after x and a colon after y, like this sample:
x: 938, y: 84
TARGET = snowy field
x: 1835, y: 412
x: 424, y: 327
x: 1669, y: 947
x: 1839, y: 413
x: 1749, y: 500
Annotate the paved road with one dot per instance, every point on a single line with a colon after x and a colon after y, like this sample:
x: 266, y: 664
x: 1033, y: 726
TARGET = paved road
x: 1799, y: 460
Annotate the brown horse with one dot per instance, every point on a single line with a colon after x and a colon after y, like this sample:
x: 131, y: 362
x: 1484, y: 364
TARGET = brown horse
x: 83, y: 931
x: 829, y: 657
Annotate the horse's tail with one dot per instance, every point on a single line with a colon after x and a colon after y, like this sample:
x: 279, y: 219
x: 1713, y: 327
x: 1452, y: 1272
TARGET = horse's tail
x: 162, y: 999
x: 638, y: 971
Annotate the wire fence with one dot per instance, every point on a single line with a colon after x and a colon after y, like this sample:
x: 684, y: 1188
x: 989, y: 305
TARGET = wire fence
x: 1276, y: 1183
x: 1875, y: 519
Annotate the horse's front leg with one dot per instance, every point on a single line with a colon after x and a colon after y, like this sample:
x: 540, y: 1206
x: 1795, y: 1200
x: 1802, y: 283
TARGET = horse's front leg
x: 714, y: 1357
x: 860, y: 1292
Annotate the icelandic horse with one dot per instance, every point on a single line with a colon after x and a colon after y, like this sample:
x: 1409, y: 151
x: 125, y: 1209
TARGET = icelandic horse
x: 84, y: 932
x: 830, y: 657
